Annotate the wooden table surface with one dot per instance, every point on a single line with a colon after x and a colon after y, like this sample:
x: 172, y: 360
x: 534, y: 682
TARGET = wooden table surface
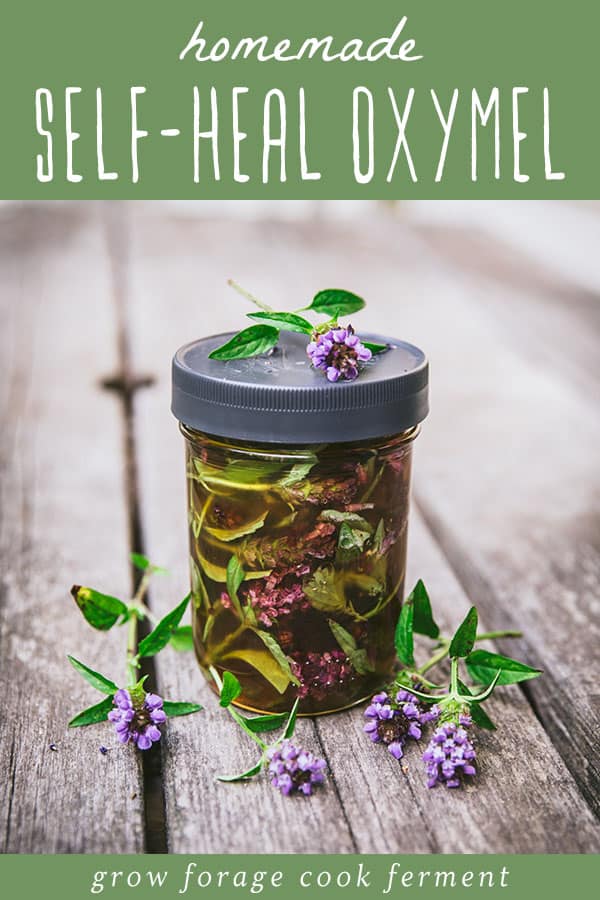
x: 504, y: 515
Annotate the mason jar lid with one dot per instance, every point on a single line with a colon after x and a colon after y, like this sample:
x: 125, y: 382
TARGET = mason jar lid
x: 279, y: 397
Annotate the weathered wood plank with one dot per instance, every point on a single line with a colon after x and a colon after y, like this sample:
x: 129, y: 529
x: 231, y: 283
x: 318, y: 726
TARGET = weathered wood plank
x: 522, y: 801
x: 381, y: 809
x: 63, y: 518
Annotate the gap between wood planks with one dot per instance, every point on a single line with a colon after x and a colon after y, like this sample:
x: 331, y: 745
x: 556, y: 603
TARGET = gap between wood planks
x: 124, y: 383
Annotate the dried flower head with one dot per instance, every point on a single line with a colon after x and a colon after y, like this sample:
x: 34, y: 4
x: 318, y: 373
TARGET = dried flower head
x: 137, y: 720
x: 338, y: 352
x: 293, y: 769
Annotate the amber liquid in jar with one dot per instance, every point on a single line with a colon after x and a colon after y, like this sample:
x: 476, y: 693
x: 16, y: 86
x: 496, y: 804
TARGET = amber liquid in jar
x: 297, y: 566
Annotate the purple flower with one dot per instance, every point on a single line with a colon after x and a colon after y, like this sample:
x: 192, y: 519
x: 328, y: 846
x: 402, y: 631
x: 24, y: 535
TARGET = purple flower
x: 294, y: 769
x: 450, y: 754
x: 137, y: 721
x: 338, y: 353
x: 391, y: 723
x: 321, y: 674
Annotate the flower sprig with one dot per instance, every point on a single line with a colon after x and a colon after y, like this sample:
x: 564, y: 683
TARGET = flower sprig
x: 135, y: 713
x: 410, y: 703
x: 291, y: 768
x: 335, y: 350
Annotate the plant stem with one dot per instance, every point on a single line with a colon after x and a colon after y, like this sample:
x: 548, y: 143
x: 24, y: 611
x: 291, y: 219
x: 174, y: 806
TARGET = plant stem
x: 264, y: 306
x: 217, y: 651
x: 235, y: 715
x: 436, y: 658
x: 492, y: 635
x: 454, y: 677
x: 137, y: 603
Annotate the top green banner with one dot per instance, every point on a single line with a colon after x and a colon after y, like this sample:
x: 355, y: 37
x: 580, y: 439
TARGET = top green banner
x: 225, y: 99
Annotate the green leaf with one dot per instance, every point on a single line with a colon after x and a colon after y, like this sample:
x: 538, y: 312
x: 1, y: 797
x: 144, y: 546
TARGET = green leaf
x: 235, y: 577
x: 253, y: 771
x: 375, y: 348
x: 358, y: 657
x: 230, y: 691
x: 346, y: 518
x: 297, y: 473
x: 182, y: 708
x: 99, y: 610
x: 93, y: 714
x: 482, y: 667
x: 403, y: 637
x: 379, y: 536
x: 182, y: 639
x: 351, y: 542
x: 233, y: 534
x: 291, y: 722
x: 477, y: 712
x: 464, y: 637
x: 424, y: 623
x: 260, y: 724
x: 250, y: 342
x: 160, y: 636
x: 333, y: 302
x: 284, y: 321
x: 140, y: 561
x: 265, y: 665
x: 278, y: 654
x: 98, y: 681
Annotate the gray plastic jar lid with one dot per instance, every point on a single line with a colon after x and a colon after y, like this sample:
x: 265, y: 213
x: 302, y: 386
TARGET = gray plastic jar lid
x: 280, y: 398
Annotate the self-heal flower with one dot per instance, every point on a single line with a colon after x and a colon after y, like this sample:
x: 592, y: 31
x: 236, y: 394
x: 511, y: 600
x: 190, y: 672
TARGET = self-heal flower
x: 450, y: 754
x: 338, y: 352
x: 293, y: 769
x: 391, y: 723
x: 136, y: 721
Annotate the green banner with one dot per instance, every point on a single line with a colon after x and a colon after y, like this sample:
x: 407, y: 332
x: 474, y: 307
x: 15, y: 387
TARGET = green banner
x: 337, y: 99
x: 226, y: 877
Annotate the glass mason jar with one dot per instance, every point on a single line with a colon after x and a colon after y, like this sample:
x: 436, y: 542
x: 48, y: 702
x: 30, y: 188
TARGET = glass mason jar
x: 298, y: 545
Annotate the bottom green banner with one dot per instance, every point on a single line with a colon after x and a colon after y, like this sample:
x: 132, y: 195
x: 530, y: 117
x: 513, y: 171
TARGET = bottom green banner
x: 71, y: 877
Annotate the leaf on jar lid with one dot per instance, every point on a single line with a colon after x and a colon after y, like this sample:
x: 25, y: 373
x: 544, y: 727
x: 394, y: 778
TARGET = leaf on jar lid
x: 335, y: 302
x: 284, y: 321
x: 250, y: 342
x: 358, y: 657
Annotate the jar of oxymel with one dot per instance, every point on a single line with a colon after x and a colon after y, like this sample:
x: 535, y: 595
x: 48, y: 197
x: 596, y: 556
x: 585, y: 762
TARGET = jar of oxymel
x: 298, y: 496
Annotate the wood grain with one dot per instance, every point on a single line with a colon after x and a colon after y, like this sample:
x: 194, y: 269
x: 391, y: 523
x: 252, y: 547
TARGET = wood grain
x: 63, y: 518
x: 376, y: 806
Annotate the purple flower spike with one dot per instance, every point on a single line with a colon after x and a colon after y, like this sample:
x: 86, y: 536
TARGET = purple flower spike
x: 450, y: 754
x: 293, y: 769
x: 338, y: 353
x: 136, y: 722
x: 392, y: 723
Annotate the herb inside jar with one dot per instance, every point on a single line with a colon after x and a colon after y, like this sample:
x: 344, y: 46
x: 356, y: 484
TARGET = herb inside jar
x: 297, y: 564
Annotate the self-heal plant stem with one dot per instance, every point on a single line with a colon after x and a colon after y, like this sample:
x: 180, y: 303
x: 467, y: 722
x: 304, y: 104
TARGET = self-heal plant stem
x: 261, y: 305
x: 137, y: 605
x: 235, y: 715
x: 441, y: 654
